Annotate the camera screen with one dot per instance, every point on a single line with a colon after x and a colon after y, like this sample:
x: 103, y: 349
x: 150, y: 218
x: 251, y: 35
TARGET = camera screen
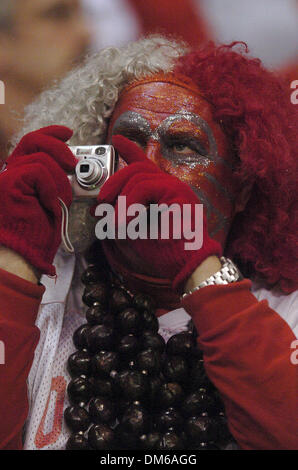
x: 84, y: 168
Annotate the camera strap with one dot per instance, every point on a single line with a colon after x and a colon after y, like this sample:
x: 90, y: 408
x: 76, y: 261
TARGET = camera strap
x: 64, y: 228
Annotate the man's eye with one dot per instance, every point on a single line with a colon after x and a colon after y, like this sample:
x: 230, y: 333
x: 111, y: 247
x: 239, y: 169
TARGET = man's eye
x: 189, y: 147
x: 182, y: 152
x: 182, y: 148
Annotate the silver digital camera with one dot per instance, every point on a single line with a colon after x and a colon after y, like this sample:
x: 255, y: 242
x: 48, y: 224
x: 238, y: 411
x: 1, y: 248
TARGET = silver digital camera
x: 96, y: 164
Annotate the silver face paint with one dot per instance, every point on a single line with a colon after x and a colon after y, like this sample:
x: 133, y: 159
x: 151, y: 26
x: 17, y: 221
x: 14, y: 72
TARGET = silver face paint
x: 200, y: 123
x: 135, y: 122
x: 138, y: 124
x: 223, y: 222
x: 220, y: 188
x: 183, y: 115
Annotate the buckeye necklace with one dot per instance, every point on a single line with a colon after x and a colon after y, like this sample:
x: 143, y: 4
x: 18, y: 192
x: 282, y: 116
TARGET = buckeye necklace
x: 130, y: 389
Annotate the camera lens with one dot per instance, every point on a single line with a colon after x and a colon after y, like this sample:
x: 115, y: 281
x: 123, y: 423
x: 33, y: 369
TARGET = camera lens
x: 84, y: 168
x: 89, y: 173
x: 100, y: 151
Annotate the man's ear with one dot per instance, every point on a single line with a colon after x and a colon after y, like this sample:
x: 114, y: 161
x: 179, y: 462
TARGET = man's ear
x: 243, y: 197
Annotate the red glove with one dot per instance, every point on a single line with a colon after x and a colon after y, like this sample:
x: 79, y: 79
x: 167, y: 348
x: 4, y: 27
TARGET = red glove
x: 30, y: 185
x: 142, y: 182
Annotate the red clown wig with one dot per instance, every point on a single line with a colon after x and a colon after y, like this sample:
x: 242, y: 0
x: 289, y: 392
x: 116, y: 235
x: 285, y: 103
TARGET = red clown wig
x: 254, y: 109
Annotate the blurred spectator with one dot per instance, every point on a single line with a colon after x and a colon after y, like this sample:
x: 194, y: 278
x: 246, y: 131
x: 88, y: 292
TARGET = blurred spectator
x: 291, y: 70
x: 119, y: 21
x: 114, y: 22
x: 40, y: 40
x: 174, y: 17
x: 269, y: 27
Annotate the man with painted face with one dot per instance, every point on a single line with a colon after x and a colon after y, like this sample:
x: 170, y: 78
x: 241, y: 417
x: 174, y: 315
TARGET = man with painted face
x: 190, y: 127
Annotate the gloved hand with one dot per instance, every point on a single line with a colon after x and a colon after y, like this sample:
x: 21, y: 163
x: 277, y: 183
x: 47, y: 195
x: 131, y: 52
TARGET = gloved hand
x: 30, y: 185
x: 142, y: 182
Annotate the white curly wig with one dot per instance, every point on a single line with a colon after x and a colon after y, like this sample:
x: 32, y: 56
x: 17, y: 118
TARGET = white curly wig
x: 84, y: 100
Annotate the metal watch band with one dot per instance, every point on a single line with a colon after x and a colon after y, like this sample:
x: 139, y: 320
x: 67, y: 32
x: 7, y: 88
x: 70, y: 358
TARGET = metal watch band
x: 226, y: 275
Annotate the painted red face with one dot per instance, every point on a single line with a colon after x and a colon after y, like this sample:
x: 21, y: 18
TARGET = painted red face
x: 175, y: 128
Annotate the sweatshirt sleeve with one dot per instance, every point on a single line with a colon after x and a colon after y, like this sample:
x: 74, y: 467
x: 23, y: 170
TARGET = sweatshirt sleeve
x: 247, y: 351
x: 19, y: 303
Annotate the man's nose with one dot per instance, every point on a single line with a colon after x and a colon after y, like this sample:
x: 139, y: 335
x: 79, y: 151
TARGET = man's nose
x: 153, y: 151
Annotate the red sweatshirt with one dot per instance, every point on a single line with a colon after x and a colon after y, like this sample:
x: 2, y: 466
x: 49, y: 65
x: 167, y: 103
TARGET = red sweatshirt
x: 247, y: 353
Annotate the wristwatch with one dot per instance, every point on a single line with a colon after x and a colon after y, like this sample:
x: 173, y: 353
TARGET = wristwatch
x: 226, y: 275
